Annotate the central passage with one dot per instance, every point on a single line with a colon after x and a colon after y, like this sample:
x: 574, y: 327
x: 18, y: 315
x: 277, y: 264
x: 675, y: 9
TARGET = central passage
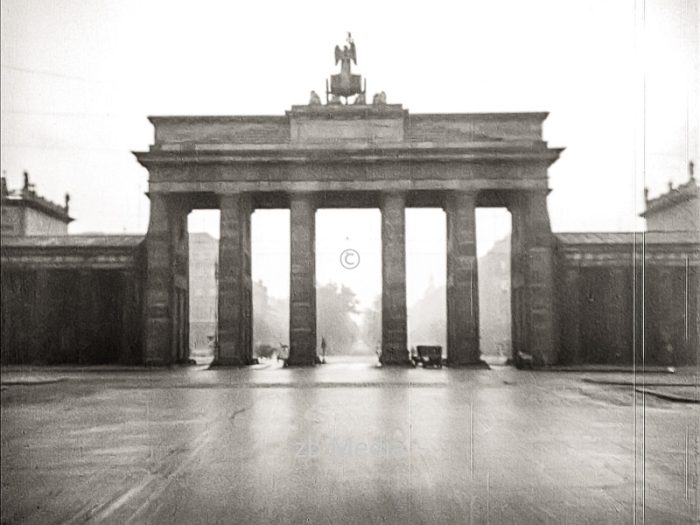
x: 348, y: 283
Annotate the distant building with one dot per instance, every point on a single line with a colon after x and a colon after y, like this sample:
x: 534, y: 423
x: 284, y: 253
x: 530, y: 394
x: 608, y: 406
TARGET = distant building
x: 494, y: 299
x: 26, y: 213
x: 204, y: 253
x: 676, y: 210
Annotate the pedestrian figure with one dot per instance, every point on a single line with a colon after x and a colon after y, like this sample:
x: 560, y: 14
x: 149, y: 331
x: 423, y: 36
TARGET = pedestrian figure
x: 323, y: 349
x: 667, y: 357
x: 283, y: 355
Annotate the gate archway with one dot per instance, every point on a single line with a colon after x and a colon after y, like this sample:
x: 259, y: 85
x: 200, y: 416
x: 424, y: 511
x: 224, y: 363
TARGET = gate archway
x: 330, y: 156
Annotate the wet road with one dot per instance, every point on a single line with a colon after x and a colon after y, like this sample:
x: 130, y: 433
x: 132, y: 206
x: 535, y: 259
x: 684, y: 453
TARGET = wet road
x: 342, y: 443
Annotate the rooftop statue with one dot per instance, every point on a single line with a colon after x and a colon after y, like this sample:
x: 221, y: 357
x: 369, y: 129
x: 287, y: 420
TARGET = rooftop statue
x: 344, y: 56
x: 345, y: 84
x: 314, y: 99
x: 379, y: 98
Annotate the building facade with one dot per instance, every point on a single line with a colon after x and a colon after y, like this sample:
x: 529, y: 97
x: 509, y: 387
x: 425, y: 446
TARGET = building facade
x: 25, y: 212
x: 676, y: 210
x: 72, y: 299
x: 66, y: 298
x: 629, y: 298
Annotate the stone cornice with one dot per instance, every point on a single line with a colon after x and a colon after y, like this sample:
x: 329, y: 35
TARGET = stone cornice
x: 223, y: 155
x: 587, y: 249
x: 71, y: 251
x: 69, y: 261
x: 677, y: 257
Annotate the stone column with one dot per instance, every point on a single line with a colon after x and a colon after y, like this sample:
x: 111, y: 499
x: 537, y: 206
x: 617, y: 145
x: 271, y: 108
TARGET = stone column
x: 302, y: 282
x: 462, y: 280
x: 159, y: 284
x: 394, y: 328
x: 235, y: 308
x: 518, y: 270
x: 533, y: 279
x: 180, y: 243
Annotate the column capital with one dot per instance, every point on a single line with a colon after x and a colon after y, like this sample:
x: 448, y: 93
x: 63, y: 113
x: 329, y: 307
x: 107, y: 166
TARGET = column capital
x: 306, y: 197
x: 397, y: 193
x: 388, y: 197
x: 240, y: 200
x: 460, y: 199
x: 232, y: 195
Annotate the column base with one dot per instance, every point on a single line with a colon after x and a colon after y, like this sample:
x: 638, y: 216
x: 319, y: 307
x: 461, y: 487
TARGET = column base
x: 188, y: 361
x: 527, y: 362
x: 156, y: 363
x: 230, y: 362
x: 406, y: 363
x: 481, y: 364
x: 394, y: 358
x: 302, y: 362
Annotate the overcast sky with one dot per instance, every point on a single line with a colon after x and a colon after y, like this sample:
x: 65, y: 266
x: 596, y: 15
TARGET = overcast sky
x: 619, y: 79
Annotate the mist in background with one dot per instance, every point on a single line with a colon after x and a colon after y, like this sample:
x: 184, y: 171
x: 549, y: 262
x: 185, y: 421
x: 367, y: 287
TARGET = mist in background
x: 619, y: 79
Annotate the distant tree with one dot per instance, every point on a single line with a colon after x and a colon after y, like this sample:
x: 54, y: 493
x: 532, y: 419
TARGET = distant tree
x: 427, y: 318
x: 335, y: 307
x: 270, y: 318
x: 372, y: 324
x: 265, y: 350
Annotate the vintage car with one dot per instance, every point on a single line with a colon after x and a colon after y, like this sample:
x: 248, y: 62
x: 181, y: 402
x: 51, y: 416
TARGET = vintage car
x: 428, y: 356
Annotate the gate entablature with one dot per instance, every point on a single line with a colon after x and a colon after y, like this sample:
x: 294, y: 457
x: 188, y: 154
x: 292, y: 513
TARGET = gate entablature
x: 348, y: 148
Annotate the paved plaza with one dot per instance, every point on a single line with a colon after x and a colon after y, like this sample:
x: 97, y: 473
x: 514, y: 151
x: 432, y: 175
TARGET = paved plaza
x: 346, y: 442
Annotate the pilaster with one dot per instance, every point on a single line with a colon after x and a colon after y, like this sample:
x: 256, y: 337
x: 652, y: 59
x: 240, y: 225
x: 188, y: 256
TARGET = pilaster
x: 159, y: 284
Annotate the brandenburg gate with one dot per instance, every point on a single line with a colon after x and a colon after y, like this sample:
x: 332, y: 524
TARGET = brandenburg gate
x: 340, y: 155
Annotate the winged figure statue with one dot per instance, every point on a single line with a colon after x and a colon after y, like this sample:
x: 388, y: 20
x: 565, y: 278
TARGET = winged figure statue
x: 345, y: 84
x: 345, y: 55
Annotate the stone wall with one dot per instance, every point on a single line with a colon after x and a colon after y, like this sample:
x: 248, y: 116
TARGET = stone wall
x: 628, y: 301
x: 56, y: 316
x: 72, y: 299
